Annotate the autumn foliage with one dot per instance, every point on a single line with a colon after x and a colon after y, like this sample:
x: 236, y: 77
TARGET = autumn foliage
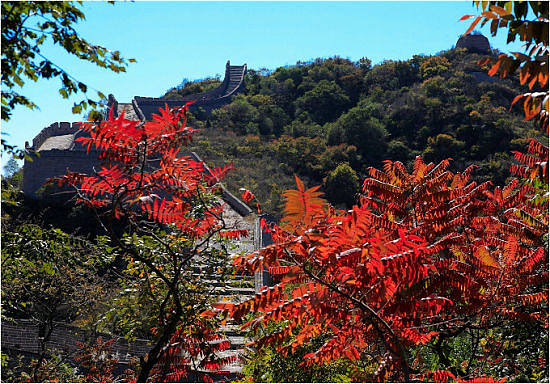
x: 192, y: 355
x: 425, y: 255
x: 528, y: 22
x: 422, y: 254
x: 97, y: 360
x: 169, y: 200
x: 144, y: 173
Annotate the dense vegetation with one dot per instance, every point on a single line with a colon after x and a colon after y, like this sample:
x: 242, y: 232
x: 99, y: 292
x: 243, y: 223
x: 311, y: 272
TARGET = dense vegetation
x: 26, y: 26
x: 437, y: 272
x: 309, y: 118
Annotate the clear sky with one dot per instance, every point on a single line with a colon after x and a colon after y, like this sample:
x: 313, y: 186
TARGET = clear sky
x: 176, y: 40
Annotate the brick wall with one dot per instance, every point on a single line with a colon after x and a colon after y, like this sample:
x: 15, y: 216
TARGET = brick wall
x: 24, y: 336
x: 54, y: 163
x: 60, y: 128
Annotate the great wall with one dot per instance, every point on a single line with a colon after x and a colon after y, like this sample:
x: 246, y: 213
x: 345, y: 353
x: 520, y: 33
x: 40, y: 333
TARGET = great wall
x: 58, y: 151
x: 142, y: 108
x: 55, y: 150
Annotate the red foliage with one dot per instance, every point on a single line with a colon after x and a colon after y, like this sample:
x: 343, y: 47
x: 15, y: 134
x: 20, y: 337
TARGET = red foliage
x: 192, y: 355
x: 247, y: 195
x: 421, y: 250
x: 144, y: 174
x: 146, y: 182
x: 97, y: 360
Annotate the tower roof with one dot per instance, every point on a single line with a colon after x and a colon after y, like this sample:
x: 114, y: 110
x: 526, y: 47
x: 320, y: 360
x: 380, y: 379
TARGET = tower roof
x: 474, y: 43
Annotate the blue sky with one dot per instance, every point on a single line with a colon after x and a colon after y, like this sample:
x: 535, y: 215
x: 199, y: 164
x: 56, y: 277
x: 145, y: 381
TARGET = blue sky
x: 176, y: 40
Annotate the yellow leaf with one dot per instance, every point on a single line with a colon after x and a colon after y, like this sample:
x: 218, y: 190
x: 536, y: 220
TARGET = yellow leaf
x: 302, y: 205
x: 485, y: 256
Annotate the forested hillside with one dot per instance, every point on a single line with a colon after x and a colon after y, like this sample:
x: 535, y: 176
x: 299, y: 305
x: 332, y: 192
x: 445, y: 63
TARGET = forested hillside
x: 437, y: 271
x: 329, y: 119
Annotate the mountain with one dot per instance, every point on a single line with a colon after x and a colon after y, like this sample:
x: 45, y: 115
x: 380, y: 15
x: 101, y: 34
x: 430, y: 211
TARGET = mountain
x: 309, y: 118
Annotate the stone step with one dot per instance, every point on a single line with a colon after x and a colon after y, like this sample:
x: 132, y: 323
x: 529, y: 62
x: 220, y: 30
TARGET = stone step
x: 243, y: 282
x: 231, y: 330
x: 198, y: 271
x: 231, y: 282
x: 233, y: 367
x: 217, y: 277
x: 234, y: 300
x: 236, y: 365
x: 236, y: 342
x: 244, y: 285
x: 233, y: 291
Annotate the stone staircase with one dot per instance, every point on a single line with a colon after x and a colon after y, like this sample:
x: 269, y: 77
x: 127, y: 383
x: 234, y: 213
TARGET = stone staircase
x: 143, y: 108
x: 233, y: 291
x: 236, y: 76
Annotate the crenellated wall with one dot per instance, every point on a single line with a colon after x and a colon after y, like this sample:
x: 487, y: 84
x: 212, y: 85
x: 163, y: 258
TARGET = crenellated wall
x: 233, y: 83
x: 55, y: 129
x: 54, y: 151
x: 48, y: 161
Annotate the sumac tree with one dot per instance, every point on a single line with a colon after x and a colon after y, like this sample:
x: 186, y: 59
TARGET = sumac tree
x: 165, y: 222
x: 423, y: 257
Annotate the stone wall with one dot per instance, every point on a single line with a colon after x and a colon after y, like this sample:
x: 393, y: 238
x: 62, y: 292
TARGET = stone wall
x: 54, y: 163
x: 262, y: 239
x: 25, y: 336
x: 55, y: 129
x: 240, y: 207
x: 474, y: 43
x: 209, y: 100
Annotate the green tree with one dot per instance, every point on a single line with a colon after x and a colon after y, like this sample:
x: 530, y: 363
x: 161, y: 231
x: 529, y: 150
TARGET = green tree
x: 26, y: 26
x: 358, y: 127
x: 48, y: 277
x: 12, y: 179
x: 434, y: 66
x: 399, y: 151
x: 325, y: 102
x: 442, y: 146
x: 342, y: 185
x: 268, y: 365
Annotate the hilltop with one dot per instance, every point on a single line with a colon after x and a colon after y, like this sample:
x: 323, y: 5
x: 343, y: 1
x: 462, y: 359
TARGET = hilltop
x: 328, y: 119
